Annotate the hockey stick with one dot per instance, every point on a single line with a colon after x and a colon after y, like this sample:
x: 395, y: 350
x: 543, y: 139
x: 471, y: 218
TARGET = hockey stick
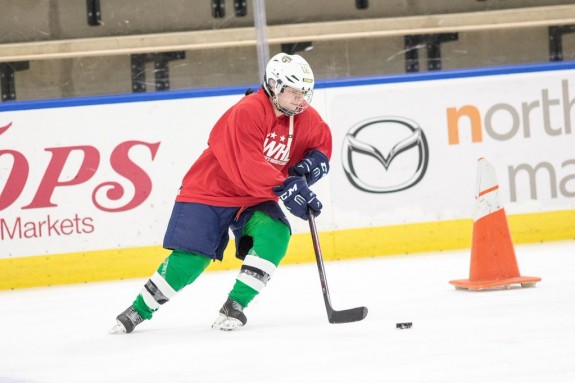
x: 333, y: 316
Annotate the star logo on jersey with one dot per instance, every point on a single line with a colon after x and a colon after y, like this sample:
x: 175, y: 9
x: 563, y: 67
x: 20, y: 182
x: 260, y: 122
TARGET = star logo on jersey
x: 275, y: 150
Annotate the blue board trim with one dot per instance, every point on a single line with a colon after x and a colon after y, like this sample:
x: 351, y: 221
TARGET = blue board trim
x: 321, y: 84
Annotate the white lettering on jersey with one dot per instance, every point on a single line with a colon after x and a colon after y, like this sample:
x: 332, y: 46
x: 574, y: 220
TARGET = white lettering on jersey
x: 275, y: 152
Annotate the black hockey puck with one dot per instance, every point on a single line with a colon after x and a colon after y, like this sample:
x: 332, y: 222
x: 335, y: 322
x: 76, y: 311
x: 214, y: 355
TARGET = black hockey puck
x: 404, y: 325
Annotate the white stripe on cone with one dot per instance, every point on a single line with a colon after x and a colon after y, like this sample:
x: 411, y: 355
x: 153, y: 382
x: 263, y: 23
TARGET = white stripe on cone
x: 487, y: 194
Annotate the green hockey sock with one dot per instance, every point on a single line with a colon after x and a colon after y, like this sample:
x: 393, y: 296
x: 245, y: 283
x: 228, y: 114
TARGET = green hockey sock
x: 242, y: 293
x: 271, y: 238
x: 178, y: 270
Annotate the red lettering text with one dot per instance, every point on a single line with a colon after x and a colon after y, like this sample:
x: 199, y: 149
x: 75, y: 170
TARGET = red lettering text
x: 124, y: 166
x: 51, y: 179
x: 16, y: 179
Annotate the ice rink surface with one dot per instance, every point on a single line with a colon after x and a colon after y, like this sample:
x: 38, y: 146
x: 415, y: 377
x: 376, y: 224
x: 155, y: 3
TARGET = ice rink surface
x: 59, y: 334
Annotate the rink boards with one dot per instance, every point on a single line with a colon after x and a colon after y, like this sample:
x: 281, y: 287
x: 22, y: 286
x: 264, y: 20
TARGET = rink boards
x: 87, y: 184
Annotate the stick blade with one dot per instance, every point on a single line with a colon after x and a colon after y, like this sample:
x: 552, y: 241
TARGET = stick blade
x: 346, y: 316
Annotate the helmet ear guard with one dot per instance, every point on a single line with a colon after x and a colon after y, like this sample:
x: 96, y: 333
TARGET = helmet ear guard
x: 274, y: 86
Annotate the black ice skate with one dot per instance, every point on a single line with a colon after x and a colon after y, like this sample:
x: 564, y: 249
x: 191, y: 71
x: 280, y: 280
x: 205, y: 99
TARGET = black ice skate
x: 127, y: 321
x: 231, y: 317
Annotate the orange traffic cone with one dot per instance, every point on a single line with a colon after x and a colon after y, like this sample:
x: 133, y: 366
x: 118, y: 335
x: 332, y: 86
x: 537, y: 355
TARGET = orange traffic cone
x: 493, y: 262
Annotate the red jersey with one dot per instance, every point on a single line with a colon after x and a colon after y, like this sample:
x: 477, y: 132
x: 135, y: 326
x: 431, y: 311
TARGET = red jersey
x: 248, y: 153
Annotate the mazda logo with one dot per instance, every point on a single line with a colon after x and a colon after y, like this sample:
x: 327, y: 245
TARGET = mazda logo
x: 385, y: 154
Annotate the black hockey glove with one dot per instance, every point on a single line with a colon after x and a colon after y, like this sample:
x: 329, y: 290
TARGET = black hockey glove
x: 314, y: 166
x: 298, y: 198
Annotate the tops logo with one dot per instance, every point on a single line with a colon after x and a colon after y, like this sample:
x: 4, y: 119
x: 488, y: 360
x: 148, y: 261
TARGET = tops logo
x: 384, y: 141
x: 87, y: 159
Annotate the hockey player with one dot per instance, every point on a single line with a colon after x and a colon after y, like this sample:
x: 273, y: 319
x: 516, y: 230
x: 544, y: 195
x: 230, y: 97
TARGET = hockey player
x: 270, y: 145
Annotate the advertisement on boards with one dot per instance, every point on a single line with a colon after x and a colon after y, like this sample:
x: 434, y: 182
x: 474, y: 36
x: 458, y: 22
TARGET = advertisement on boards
x: 96, y: 177
x: 409, y: 151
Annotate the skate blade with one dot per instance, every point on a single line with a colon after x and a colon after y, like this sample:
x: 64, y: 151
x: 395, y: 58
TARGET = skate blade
x: 117, y: 329
x: 225, y: 323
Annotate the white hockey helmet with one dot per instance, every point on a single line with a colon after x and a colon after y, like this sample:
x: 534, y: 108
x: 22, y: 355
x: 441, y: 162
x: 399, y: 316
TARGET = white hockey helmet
x: 292, y: 71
